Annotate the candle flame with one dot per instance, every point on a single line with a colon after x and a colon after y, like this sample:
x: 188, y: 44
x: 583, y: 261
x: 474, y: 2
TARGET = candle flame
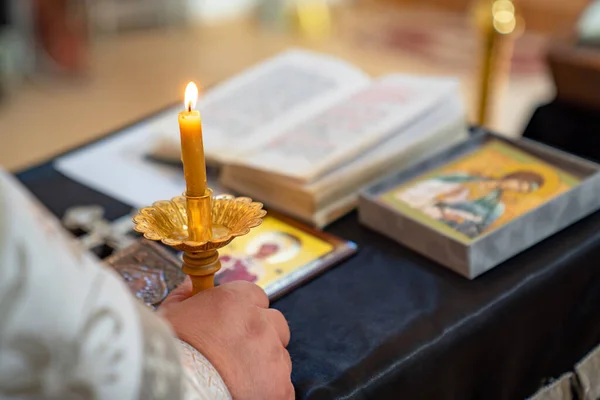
x: 191, y: 96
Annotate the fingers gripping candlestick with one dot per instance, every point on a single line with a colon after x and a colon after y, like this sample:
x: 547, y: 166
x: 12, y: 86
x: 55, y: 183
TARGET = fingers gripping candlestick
x: 196, y: 223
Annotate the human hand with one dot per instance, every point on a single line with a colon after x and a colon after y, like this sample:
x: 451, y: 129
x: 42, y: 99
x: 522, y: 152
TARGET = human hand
x: 232, y: 326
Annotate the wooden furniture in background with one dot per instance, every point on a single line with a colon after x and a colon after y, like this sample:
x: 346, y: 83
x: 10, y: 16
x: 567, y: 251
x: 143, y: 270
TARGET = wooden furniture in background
x: 576, y: 72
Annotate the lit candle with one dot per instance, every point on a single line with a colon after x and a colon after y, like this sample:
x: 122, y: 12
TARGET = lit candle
x: 198, y: 200
x: 192, y: 148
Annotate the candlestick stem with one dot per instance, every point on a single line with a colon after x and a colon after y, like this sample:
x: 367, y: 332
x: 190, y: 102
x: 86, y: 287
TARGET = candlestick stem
x: 201, y: 268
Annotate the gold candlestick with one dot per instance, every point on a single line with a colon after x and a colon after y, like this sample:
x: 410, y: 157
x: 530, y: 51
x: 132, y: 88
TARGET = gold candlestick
x: 497, y: 22
x: 167, y: 221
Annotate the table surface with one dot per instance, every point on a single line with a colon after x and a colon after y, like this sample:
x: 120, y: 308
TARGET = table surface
x: 389, y: 324
x: 136, y: 73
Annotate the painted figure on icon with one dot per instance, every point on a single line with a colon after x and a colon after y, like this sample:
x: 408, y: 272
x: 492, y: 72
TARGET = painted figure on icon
x: 267, y: 249
x: 468, y: 203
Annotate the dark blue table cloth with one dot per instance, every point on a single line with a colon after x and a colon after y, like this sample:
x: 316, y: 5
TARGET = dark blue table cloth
x: 390, y: 324
x: 566, y: 126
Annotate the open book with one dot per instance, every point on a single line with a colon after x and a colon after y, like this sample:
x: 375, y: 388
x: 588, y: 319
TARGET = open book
x: 303, y: 132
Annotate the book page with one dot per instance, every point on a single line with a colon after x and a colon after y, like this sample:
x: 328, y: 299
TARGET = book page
x: 442, y: 126
x: 345, y: 130
x: 257, y: 104
x: 118, y: 166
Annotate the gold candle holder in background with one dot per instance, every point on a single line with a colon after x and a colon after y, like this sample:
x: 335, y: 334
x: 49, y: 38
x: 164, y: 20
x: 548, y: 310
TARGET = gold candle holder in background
x: 167, y: 221
x: 497, y: 22
x: 312, y: 18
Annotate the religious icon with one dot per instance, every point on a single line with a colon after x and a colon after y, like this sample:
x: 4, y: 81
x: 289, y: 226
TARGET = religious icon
x: 447, y: 198
x: 482, y: 191
x: 267, y: 248
x: 146, y: 282
x: 280, y: 254
x: 149, y: 271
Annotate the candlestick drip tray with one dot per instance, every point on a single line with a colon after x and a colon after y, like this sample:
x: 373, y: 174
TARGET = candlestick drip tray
x: 166, y: 221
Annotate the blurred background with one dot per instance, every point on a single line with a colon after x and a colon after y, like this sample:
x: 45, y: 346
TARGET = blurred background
x: 73, y: 70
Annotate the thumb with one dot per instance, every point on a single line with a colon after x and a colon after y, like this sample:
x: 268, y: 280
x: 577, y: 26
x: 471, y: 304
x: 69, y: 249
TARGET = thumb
x: 179, y: 294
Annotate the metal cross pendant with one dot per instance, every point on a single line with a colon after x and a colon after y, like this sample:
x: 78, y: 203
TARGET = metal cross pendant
x: 97, y: 231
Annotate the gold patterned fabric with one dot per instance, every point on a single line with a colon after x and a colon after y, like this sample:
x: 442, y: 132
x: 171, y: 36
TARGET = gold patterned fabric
x: 581, y: 384
x: 69, y: 328
x: 588, y: 372
x: 561, y: 389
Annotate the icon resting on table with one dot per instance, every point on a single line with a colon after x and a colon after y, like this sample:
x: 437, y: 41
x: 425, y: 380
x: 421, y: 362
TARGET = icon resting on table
x: 266, y: 249
x: 145, y: 282
x: 453, y: 198
x: 481, y: 191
